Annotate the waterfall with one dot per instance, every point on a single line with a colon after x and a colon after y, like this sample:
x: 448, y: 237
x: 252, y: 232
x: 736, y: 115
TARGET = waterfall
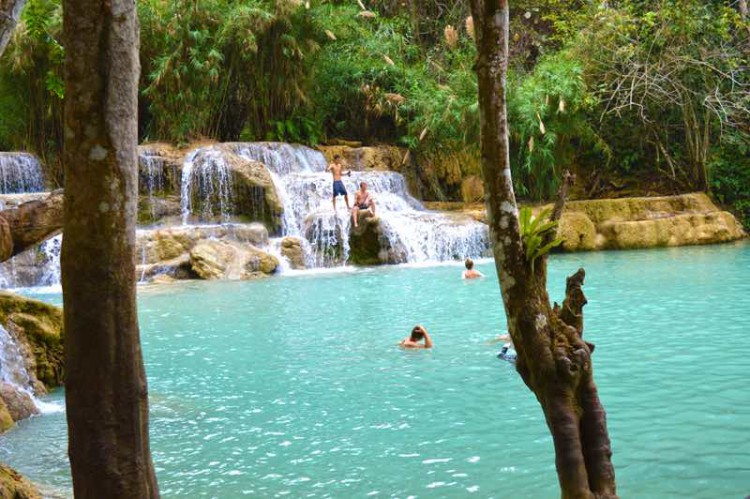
x: 35, y: 267
x: 20, y: 172
x: 12, y: 364
x: 206, y: 186
x: 13, y: 372
x: 414, y: 233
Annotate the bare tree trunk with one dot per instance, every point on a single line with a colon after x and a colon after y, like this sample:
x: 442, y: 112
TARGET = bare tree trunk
x: 107, y: 404
x: 10, y: 11
x: 553, y: 359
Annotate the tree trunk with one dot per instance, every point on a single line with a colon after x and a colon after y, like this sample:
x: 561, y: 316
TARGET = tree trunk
x: 553, y: 359
x: 10, y: 12
x: 106, y: 396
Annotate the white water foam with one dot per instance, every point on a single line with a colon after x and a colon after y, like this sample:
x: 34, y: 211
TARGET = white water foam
x: 13, y: 371
x: 20, y: 172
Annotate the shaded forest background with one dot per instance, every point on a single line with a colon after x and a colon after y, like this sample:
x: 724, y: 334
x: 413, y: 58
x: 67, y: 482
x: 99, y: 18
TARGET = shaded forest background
x: 636, y: 96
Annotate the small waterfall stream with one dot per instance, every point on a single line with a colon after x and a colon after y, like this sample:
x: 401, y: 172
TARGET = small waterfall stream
x: 20, y: 172
x: 13, y: 372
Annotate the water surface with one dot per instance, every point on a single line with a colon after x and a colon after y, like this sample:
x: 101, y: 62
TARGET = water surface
x: 294, y: 385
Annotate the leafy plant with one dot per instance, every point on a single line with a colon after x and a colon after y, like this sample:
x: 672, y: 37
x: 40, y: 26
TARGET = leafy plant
x: 534, y: 230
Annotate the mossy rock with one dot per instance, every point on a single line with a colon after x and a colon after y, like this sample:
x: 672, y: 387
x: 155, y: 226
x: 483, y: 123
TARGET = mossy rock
x: 366, y: 243
x: 14, y: 486
x: 577, y: 231
x: 38, y: 327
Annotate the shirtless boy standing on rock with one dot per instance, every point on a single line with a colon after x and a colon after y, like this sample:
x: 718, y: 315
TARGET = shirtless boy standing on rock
x: 336, y: 169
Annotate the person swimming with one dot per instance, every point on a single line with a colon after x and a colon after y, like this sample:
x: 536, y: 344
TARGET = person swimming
x: 470, y: 273
x: 418, y: 334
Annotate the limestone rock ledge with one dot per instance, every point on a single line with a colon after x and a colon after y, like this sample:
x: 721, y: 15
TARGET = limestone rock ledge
x: 229, y: 251
x: 632, y: 223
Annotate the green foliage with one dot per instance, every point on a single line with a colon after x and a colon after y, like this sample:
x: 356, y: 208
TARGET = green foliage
x: 404, y: 73
x: 547, y: 114
x: 534, y: 230
x: 730, y: 175
x: 31, y: 84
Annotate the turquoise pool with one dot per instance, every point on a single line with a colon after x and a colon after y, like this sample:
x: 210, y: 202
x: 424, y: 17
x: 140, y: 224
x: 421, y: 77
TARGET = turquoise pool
x: 294, y: 386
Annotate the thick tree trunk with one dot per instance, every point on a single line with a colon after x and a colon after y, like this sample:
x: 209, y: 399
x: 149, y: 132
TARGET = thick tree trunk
x: 107, y: 405
x: 553, y: 359
x: 10, y: 12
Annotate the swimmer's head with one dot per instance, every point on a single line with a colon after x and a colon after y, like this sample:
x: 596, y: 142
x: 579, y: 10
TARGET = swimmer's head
x: 417, y: 334
x: 469, y: 264
x: 336, y: 157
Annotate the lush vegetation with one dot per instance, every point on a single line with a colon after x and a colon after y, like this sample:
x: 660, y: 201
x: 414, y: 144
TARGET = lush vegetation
x: 638, y: 96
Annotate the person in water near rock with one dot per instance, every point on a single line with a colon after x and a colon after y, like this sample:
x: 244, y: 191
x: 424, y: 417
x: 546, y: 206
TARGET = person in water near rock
x: 337, y: 169
x: 362, y: 202
x: 470, y: 273
x: 418, y: 334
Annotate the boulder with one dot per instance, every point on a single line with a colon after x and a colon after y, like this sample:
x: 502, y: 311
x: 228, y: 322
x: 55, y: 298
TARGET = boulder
x: 38, y: 329
x: 577, y: 232
x: 172, y: 252
x: 215, y: 259
x: 368, y: 245
x: 15, y: 486
x: 291, y: 249
x: 18, y: 403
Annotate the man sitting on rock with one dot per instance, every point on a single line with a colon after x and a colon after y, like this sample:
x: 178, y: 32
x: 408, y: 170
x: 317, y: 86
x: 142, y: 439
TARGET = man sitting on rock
x: 363, y: 202
x: 336, y: 169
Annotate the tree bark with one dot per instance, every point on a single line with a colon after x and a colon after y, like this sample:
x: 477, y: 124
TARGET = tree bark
x: 10, y: 12
x: 553, y: 359
x: 106, y: 395
x: 32, y: 222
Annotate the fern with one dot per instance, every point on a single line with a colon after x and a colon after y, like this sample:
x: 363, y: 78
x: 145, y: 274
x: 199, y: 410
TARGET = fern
x: 533, y: 232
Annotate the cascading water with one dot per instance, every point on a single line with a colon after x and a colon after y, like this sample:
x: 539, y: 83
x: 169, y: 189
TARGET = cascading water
x: 414, y: 234
x: 206, y: 186
x: 20, y: 172
x: 13, y: 371
x: 36, y: 267
x: 12, y: 364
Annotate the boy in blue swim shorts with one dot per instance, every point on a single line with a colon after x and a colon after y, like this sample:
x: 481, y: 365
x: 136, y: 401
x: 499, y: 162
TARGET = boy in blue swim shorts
x: 336, y: 169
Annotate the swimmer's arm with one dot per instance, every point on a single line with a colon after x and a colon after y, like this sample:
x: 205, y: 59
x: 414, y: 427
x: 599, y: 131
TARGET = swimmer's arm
x: 427, y: 340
